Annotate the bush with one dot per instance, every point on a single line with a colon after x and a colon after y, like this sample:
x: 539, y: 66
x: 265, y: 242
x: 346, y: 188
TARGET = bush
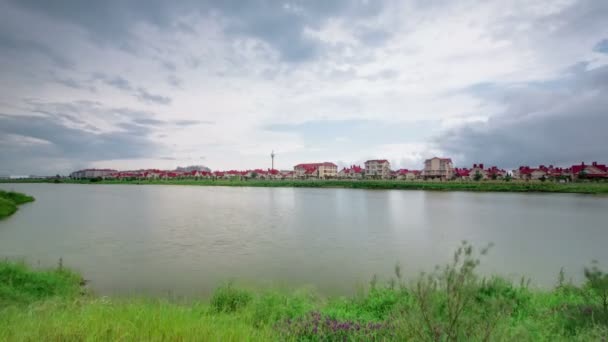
x: 453, y: 304
x: 227, y: 298
x: 597, y: 282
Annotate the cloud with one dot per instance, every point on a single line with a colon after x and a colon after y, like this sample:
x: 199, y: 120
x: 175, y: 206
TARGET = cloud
x: 601, y: 46
x: 143, y: 95
x: 558, y: 122
x: 123, y: 84
x: 280, y: 25
x: 44, y: 143
x: 318, y: 80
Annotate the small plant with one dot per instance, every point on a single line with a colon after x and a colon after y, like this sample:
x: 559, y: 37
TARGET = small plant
x: 227, y: 298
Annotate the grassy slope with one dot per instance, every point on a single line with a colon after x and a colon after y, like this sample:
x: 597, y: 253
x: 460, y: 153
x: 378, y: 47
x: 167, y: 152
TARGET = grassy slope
x: 490, y: 186
x: 48, y: 306
x: 9, y: 200
x: 7, y: 208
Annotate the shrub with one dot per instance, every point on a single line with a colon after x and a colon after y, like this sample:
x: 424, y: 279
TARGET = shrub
x: 227, y: 298
x: 597, y: 282
x: 453, y: 304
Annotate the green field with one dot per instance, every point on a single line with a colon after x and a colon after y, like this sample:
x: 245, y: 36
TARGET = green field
x: 487, y: 186
x: 9, y: 200
x: 449, y: 304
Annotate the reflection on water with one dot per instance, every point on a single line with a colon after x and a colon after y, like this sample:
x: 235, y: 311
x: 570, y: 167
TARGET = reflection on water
x: 185, y: 240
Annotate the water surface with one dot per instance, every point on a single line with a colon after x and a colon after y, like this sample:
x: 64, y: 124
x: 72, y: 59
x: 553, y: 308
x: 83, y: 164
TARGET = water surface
x: 185, y: 240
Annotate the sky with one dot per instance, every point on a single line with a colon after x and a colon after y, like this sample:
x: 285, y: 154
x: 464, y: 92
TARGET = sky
x: 159, y: 84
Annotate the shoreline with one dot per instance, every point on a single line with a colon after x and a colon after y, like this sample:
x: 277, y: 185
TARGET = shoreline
x: 600, y: 188
x: 54, y: 304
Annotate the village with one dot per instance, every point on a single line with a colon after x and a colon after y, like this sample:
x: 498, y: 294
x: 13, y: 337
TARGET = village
x: 435, y: 169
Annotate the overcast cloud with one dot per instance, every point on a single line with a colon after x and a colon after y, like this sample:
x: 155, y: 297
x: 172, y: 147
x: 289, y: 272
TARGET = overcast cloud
x: 135, y: 84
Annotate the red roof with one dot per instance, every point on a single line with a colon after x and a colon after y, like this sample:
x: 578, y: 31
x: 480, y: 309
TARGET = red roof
x: 603, y: 170
x: 353, y: 169
x: 462, y: 172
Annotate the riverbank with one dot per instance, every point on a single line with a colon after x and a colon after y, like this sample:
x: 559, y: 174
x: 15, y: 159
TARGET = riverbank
x: 449, y: 304
x: 481, y: 186
x: 10, y: 200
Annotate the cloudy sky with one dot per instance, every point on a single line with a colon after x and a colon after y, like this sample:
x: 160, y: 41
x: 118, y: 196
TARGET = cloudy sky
x: 150, y: 83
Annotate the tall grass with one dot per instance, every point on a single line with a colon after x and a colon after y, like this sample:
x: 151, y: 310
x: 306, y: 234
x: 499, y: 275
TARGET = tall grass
x: 452, y: 303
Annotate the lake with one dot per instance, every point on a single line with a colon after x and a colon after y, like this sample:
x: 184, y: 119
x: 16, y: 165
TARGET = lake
x: 186, y: 240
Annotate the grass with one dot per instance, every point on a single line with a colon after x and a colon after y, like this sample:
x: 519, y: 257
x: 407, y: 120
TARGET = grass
x: 483, y: 186
x: 449, y: 304
x: 9, y: 200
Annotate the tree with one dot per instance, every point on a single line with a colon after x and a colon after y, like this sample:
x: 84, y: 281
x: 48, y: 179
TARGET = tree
x: 508, y: 177
x: 478, y: 176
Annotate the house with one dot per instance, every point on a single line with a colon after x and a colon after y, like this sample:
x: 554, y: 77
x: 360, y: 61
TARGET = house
x: 527, y: 173
x: 316, y: 170
x: 477, y: 169
x: 593, y: 171
x: 438, y: 168
x: 461, y: 174
x: 405, y: 174
x: 352, y: 172
x: 92, y: 173
x: 495, y: 173
x: 378, y: 168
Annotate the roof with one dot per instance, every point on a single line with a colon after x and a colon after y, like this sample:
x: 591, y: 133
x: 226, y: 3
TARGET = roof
x: 353, y: 169
x: 381, y: 161
x: 462, y: 172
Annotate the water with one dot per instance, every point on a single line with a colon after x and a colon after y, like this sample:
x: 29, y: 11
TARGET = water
x: 185, y: 240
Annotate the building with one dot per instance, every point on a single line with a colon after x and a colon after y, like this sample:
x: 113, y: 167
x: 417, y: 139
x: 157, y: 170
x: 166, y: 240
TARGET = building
x: 378, y: 168
x: 462, y: 174
x: 495, y: 173
x: 405, y: 174
x: 316, y: 170
x: 352, y: 172
x: 593, y: 171
x: 438, y: 168
x: 477, y: 169
x: 92, y: 173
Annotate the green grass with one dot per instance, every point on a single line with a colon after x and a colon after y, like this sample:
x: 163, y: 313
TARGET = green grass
x: 9, y: 200
x: 449, y: 304
x: 483, y: 186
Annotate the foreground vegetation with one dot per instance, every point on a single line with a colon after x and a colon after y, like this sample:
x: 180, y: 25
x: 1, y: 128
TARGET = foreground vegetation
x: 450, y: 304
x: 488, y: 186
x: 9, y: 200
